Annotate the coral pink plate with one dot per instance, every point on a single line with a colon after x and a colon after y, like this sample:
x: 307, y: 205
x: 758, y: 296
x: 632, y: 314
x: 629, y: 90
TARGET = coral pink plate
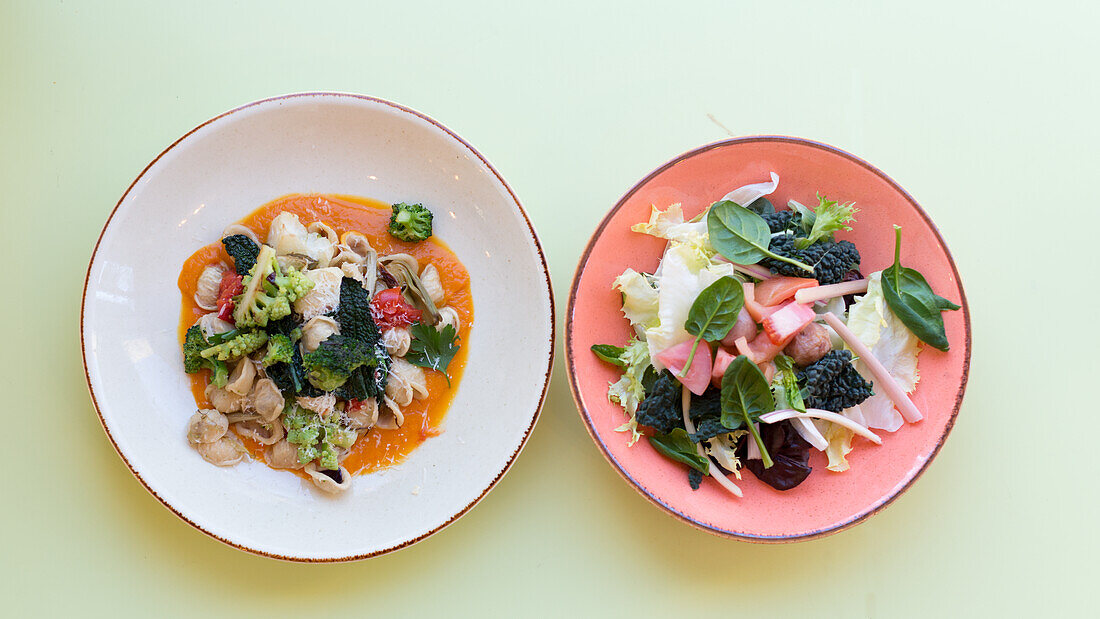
x: 826, y: 502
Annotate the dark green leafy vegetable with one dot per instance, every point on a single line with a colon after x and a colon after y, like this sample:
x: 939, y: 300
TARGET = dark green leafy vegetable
x: 913, y: 302
x: 742, y: 236
x: 713, y: 313
x: 609, y: 353
x: 661, y: 408
x: 677, y: 446
x: 695, y: 479
x: 746, y: 396
x: 335, y: 359
x: 761, y: 206
x: 243, y: 251
x: 290, y: 377
x: 832, y: 260
x: 411, y: 222
x: 832, y: 383
x: 356, y: 321
x: 791, y: 454
x: 706, y: 413
x: 433, y: 348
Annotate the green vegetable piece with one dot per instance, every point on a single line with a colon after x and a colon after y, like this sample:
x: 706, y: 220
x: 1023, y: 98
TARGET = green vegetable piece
x: 676, y: 445
x: 742, y: 236
x: 829, y: 217
x: 328, y: 367
x: 786, y: 390
x: 410, y: 222
x: 746, y: 396
x: 433, y: 348
x: 194, y: 343
x: 911, y: 299
x: 280, y: 349
x: 610, y: 354
x: 713, y: 313
x: 806, y: 221
x: 243, y: 251
x: 237, y: 347
x: 761, y: 206
x: 263, y: 301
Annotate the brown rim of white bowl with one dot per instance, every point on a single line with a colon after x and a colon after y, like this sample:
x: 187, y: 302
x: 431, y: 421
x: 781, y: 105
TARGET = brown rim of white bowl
x: 549, y: 292
x: 585, y: 417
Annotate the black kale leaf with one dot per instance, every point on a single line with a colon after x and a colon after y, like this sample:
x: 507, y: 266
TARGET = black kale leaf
x: 661, y: 408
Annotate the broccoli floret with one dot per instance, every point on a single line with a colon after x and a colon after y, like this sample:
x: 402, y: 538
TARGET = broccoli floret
x: 832, y: 383
x: 315, y: 438
x: 194, y: 344
x: 831, y: 259
x: 268, y: 291
x: 242, y: 250
x: 411, y: 222
x: 335, y: 359
x: 280, y: 348
x: 236, y: 347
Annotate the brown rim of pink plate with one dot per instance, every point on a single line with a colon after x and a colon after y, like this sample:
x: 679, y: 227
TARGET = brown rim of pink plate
x: 585, y: 417
x: 549, y: 291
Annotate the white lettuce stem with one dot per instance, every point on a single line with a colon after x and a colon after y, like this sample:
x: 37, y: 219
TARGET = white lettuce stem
x: 830, y: 291
x: 816, y: 413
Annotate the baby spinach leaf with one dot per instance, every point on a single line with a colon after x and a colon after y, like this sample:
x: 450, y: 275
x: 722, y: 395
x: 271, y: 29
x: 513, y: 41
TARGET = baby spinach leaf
x: 713, y: 313
x: 742, y: 236
x: 761, y: 206
x: 610, y: 354
x: 746, y: 396
x: 786, y: 390
x: 911, y: 299
x: 677, y: 446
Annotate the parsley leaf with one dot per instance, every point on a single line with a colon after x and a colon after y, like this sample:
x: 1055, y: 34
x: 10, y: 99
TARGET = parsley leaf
x: 432, y: 348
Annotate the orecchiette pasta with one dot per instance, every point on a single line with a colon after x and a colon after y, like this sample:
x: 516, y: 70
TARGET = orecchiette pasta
x: 212, y: 325
x: 226, y: 451
x: 206, y: 426
x: 224, y: 401
x: 390, y: 416
x: 325, y: 295
x: 397, y: 341
x: 242, y: 377
x: 406, y: 381
x: 322, y: 229
x: 364, y: 416
x: 323, y: 405
x: 288, y: 236
x: 429, y: 278
x: 208, y: 286
x: 266, y: 399
x: 264, y: 433
x: 317, y: 330
x: 330, y: 481
x: 283, y: 455
x: 448, y: 316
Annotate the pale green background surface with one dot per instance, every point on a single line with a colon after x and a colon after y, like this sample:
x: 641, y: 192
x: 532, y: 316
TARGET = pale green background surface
x: 985, y: 112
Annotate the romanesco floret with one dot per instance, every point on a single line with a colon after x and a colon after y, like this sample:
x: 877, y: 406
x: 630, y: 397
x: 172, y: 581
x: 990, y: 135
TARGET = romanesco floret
x: 832, y: 383
x: 194, y: 344
x: 268, y: 291
x: 411, y: 222
x: 236, y: 347
x: 317, y: 439
x: 280, y: 348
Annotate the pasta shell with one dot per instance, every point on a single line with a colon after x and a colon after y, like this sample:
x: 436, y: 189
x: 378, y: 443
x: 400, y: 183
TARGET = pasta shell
x: 429, y: 278
x: 267, y: 400
x: 206, y: 426
x: 390, y: 416
x: 327, y: 482
x: 363, y: 417
x: 358, y: 244
x: 323, y: 405
x: 212, y: 325
x: 234, y: 229
x: 264, y: 433
x: 283, y: 455
x: 325, y: 294
x: 449, y: 316
x: 226, y: 451
x: 242, y: 377
x: 407, y: 380
x: 317, y: 330
x: 322, y: 229
x: 224, y: 401
x: 397, y: 341
x: 208, y: 286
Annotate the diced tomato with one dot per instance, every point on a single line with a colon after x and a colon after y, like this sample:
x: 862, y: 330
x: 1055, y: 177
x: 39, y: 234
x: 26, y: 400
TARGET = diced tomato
x: 390, y: 309
x: 787, y: 321
x: 778, y: 289
x: 698, y: 375
x: 760, y: 350
x: 722, y: 360
x: 232, y: 285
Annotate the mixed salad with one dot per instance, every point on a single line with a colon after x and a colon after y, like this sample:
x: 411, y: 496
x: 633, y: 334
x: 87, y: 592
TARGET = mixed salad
x: 751, y: 346
x: 312, y: 339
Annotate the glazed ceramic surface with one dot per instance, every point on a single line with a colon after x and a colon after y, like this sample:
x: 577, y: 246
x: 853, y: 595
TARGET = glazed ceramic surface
x: 221, y: 171
x: 826, y: 502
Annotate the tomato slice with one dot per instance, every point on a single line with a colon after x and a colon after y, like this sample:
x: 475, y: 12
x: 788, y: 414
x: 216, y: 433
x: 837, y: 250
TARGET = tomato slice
x: 231, y: 286
x: 390, y: 309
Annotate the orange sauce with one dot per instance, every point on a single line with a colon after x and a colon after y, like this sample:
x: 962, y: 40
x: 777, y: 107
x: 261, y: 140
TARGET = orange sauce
x: 376, y: 448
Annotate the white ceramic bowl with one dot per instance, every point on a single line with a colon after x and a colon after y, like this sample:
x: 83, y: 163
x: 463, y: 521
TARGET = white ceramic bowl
x: 221, y: 171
